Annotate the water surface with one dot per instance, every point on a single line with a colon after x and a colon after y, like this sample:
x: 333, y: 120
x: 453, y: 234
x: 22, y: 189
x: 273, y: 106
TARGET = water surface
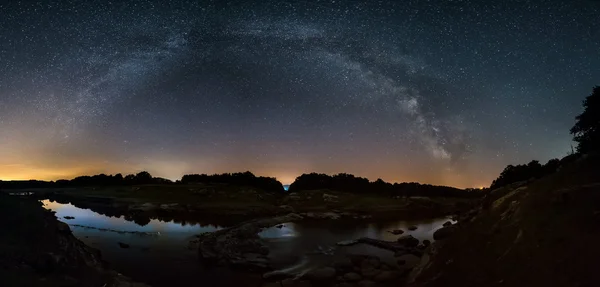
x: 159, y: 253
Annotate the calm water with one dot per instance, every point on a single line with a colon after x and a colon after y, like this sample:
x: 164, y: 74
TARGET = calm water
x: 159, y: 252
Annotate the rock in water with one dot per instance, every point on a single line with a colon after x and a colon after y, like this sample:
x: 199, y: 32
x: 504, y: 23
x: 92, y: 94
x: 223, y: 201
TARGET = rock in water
x: 352, y: 277
x: 444, y: 232
x: 325, y: 273
x: 408, y: 241
x: 396, y: 231
x: 240, y: 245
x: 385, y: 276
x: 69, y: 217
x: 412, y: 228
x: 366, y: 283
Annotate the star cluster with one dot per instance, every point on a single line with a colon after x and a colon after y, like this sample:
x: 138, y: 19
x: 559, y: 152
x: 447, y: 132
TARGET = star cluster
x: 442, y: 92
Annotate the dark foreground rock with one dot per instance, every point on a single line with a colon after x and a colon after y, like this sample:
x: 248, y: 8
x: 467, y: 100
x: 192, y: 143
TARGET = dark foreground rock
x: 240, y: 246
x: 38, y: 250
x: 524, y: 235
x: 444, y: 232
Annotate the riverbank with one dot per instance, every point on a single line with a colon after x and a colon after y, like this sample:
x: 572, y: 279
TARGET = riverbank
x: 38, y: 250
x: 234, y: 204
x: 539, y: 233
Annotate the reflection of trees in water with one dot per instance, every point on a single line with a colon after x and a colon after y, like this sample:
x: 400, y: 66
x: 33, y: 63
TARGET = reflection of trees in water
x: 110, y: 209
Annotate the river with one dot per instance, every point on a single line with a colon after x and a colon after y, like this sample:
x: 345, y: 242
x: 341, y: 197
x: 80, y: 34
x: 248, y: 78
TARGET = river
x: 158, y: 253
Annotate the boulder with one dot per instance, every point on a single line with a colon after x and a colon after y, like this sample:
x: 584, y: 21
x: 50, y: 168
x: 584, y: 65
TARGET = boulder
x: 330, y: 198
x: 369, y: 272
x: 343, y: 264
x: 295, y: 283
x: 408, y: 241
x: 352, y: 276
x: 286, y: 208
x: 321, y: 274
x: 366, y: 283
x: 385, y: 276
x: 444, y: 232
x: 371, y: 262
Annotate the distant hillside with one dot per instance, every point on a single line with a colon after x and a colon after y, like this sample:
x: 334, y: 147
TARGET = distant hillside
x: 350, y: 183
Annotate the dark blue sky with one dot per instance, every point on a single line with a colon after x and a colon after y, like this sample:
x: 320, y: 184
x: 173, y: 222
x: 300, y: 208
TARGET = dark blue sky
x: 443, y: 92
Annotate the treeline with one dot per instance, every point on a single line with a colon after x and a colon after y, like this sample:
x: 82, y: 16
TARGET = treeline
x: 350, y: 183
x: 269, y: 184
x: 143, y: 177
x: 523, y: 172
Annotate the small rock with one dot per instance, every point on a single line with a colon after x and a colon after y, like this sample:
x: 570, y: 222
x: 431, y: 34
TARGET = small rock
x: 412, y: 228
x: 447, y: 223
x: 372, y: 262
x: 343, y: 264
x: 295, y: 283
x: 370, y: 272
x: 123, y: 245
x: 385, y: 276
x: 408, y: 241
x: 69, y: 217
x: 324, y: 273
x: 396, y: 231
x: 426, y: 243
x: 366, y: 283
x: 280, y: 226
x: 352, y: 277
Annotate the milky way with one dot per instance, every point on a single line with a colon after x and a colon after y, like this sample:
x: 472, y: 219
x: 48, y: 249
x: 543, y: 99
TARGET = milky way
x: 443, y: 92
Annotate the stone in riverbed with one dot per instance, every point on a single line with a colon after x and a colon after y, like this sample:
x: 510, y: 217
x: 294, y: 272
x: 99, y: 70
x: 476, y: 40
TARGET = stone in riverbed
x: 370, y: 272
x: 426, y: 243
x: 408, y: 241
x: 69, y: 217
x: 295, y: 283
x: 385, y: 276
x: 325, y: 273
x: 344, y: 264
x: 352, y: 277
x: 396, y: 231
x: 366, y: 283
x: 412, y: 228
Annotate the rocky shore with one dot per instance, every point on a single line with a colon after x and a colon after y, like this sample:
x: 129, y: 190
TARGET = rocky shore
x: 38, y: 250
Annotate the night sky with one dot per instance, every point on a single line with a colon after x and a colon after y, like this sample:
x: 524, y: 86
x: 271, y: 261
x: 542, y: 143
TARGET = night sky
x: 441, y: 92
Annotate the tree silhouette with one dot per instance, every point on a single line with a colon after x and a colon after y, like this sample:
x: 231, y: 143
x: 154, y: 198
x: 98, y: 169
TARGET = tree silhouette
x: 586, y: 131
